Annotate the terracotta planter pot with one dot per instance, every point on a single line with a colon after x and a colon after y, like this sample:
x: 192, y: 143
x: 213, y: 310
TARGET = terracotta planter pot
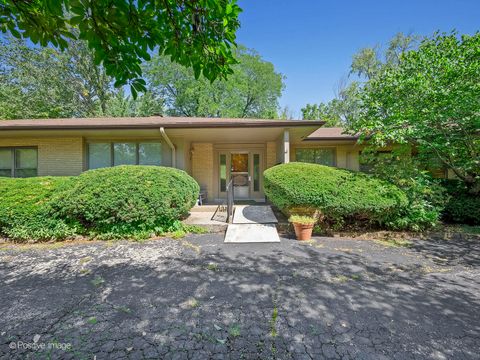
x: 303, y: 231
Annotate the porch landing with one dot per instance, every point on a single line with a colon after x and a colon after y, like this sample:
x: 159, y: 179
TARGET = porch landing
x: 254, y: 214
x: 250, y: 224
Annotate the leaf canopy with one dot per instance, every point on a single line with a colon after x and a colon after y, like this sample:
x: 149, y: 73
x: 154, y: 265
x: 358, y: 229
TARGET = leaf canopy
x: 124, y: 33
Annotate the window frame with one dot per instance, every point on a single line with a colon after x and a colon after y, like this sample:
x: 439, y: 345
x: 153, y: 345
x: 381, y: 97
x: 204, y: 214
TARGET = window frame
x: 319, y: 148
x: 112, y: 150
x: 13, y: 158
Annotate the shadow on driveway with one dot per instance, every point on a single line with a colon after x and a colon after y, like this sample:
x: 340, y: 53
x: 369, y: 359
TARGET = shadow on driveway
x: 199, y: 298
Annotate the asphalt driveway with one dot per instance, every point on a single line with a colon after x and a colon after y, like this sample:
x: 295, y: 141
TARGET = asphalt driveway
x: 198, y: 298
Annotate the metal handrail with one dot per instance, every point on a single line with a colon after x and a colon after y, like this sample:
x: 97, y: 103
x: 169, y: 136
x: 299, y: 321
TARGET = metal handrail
x: 230, y: 202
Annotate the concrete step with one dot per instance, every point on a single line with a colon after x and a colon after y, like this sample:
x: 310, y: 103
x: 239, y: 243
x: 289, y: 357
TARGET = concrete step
x: 251, y: 233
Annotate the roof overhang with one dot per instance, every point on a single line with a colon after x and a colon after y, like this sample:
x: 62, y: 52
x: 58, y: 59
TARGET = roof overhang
x: 196, y: 129
x: 149, y: 123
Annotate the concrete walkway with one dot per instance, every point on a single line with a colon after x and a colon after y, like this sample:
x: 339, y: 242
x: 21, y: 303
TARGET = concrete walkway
x: 254, y: 214
x: 252, y: 224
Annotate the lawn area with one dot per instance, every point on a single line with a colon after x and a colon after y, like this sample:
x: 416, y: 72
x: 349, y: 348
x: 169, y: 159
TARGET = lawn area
x: 198, y: 298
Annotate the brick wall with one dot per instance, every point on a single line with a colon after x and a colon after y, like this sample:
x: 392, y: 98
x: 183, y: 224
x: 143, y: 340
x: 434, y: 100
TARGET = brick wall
x: 202, y: 166
x: 271, y: 157
x: 56, y: 156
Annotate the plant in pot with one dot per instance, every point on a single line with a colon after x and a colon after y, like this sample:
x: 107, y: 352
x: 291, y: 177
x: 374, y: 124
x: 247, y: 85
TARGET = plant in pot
x: 303, y: 226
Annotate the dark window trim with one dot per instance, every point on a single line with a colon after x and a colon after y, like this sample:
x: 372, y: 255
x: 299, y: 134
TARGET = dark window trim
x: 13, y: 155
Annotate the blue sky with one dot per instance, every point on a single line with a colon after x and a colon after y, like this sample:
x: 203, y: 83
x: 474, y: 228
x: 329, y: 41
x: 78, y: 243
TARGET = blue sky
x: 312, y: 42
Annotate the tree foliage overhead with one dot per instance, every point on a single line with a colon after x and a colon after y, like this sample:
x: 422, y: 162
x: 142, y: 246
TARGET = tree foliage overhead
x: 430, y: 98
x: 366, y: 64
x: 252, y: 90
x: 48, y: 83
x: 336, y: 112
x: 123, y: 33
x: 45, y: 82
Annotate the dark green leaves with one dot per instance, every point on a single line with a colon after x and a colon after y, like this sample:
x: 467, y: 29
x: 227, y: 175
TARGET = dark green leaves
x: 430, y: 98
x: 252, y: 91
x: 123, y: 32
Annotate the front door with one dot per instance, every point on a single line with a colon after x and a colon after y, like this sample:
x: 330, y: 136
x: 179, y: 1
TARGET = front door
x: 240, y: 175
x: 245, y: 169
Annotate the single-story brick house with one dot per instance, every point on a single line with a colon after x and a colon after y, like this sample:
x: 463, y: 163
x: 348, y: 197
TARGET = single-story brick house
x: 210, y: 149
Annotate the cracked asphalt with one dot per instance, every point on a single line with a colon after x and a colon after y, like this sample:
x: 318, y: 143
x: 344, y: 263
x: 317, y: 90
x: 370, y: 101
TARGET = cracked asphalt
x: 197, y: 298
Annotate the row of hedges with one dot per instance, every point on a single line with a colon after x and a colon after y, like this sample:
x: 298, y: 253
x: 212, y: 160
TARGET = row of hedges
x: 341, y: 196
x: 25, y: 213
x: 122, y: 201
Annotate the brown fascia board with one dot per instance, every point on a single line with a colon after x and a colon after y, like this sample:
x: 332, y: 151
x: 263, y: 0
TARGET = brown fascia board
x: 192, y: 125
x: 337, y: 138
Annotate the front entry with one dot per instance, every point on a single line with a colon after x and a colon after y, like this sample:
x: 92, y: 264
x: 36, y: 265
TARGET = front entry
x: 245, y: 169
x: 240, y: 175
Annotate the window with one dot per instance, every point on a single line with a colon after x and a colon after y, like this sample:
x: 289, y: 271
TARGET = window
x: 99, y: 156
x: 150, y: 154
x: 239, y: 163
x: 126, y: 153
x: 18, y: 162
x: 322, y: 156
x: 223, y: 172
x: 256, y: 172
x: 6, y: 162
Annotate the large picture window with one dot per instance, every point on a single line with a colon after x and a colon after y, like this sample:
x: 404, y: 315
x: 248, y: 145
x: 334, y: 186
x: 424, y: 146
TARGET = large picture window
x: 124, y: 153
x: 18, y: 162
x: 322, y: 156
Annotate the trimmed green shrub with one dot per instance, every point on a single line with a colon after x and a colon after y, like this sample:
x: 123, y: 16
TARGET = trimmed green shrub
x: 462, y: 206
x: 25, y: 211
x: 128, y: 199
x: 340, y: 195
x: 426, y: 197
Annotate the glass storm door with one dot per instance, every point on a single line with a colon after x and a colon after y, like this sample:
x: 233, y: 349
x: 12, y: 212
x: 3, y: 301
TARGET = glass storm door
x: 246, y: 169
x: 239, y: 171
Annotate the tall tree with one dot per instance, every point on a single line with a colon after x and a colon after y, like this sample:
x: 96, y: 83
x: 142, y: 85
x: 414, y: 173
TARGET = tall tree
x: 252, y: 90
x: 337, y: 112
x: 430, y: 98
x: 123, y: 33
x: 45, y: 82
x: 367, y: 63
x: 120, y: 104
x: 327, y: 112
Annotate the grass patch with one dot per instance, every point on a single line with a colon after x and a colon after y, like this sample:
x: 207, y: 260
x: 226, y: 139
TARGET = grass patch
x: 340, y: 278
x: 98, y: 281
x: 234, y: 330
x: 468, y: 229
x: 212, y: 267
x: 85, y: 260
x: 273, y: 321
x: 400, y: 243
x: 192, y: 303
x: 344, y: 278
x: 124, y: 309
